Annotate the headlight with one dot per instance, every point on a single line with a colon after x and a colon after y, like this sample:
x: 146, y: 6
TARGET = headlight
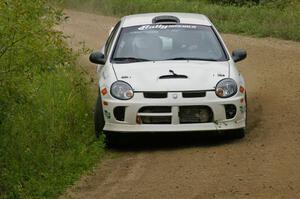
x: 226, y: 88
x: 121, y: 90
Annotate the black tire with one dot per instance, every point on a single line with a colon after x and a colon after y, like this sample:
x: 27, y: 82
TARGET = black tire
x: 239, y: 133
x: 98, y: 117
x: 111, y: 139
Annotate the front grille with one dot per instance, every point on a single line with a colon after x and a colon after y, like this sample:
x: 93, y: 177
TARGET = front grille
x: 163, y: 115
x: 155, y: 94
x: 192, y: 94
x: 155, y: 115
x: 195, y: 114
x: 155, y: 109
x: 156, y: 119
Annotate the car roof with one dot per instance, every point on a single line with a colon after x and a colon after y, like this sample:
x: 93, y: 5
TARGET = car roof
x: 185, y: 18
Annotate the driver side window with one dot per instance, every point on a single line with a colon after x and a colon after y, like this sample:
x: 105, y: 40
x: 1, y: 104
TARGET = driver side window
x: 111, y: 38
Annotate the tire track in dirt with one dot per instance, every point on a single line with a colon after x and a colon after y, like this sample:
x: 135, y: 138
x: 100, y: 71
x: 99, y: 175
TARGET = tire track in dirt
x: 265, y: 164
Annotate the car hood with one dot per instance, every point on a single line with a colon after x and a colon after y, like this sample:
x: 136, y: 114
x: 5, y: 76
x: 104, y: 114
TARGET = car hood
x: 145, y: 76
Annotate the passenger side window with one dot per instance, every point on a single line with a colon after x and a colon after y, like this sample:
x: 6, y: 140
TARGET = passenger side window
x: 111, y: 38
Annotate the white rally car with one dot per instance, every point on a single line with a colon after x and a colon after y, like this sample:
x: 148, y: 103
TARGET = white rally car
x: 168, y: 72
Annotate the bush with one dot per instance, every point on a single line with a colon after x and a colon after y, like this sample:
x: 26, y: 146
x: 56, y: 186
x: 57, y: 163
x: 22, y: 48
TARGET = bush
x: 236, y: 2
x: 272, y: 3
x: 46, y: 131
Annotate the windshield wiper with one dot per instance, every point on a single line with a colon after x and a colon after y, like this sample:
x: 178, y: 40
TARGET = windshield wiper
x: 129, y: 59
x: 192, y: 58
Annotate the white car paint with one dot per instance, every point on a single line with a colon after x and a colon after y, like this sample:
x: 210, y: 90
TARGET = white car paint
x: 208, y: 72
x: 144, y: 76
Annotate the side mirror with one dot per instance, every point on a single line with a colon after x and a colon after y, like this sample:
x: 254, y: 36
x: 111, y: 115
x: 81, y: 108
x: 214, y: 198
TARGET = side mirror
x: 239, y: 55
x: 97, y: 58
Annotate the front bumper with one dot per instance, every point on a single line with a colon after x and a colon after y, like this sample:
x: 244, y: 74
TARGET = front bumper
x: 132, y: 107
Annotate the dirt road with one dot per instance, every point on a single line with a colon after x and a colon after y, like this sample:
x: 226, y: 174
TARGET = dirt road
x: 265, y: 164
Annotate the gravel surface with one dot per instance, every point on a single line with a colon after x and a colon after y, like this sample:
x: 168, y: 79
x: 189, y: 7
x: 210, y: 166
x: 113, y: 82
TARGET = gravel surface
x: 265, y: 164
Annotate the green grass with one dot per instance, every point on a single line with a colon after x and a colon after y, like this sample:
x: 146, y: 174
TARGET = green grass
x: 46, y: 128
x: 267, y: 20
x: 48, y: 142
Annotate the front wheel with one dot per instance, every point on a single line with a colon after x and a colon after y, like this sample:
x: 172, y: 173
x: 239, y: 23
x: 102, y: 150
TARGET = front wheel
x: 239, y: 133
x: 98, y: 117
x: 112, y: 139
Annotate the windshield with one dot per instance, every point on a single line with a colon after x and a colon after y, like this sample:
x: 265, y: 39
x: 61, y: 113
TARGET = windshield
x: 167, y: 42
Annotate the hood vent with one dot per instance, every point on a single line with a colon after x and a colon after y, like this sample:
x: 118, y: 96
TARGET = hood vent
x: 174, y: 75
x: 165, y: 19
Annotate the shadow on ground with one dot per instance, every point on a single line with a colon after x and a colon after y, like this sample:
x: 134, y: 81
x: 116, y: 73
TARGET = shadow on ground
x: 169, y: 141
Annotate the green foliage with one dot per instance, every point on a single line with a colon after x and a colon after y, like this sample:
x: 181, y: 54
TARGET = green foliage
x: 46, y: 130
x: 236, y: 2
x: 270, y: 3
x: 268, y: 18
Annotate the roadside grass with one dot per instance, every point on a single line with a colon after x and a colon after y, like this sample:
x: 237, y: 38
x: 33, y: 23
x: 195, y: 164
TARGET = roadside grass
x: 267, y: 20
x: 48, y: 141
x: 46, y: 128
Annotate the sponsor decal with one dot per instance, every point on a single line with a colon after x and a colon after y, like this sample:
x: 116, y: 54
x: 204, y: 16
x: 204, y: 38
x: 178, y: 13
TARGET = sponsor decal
x: 107, y: 114
x: 163, y: 27
x: 242, y: 109
x: 104, y: 74
x: 104, y: 91
x: 125, y: 77
x: 242, y: 89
